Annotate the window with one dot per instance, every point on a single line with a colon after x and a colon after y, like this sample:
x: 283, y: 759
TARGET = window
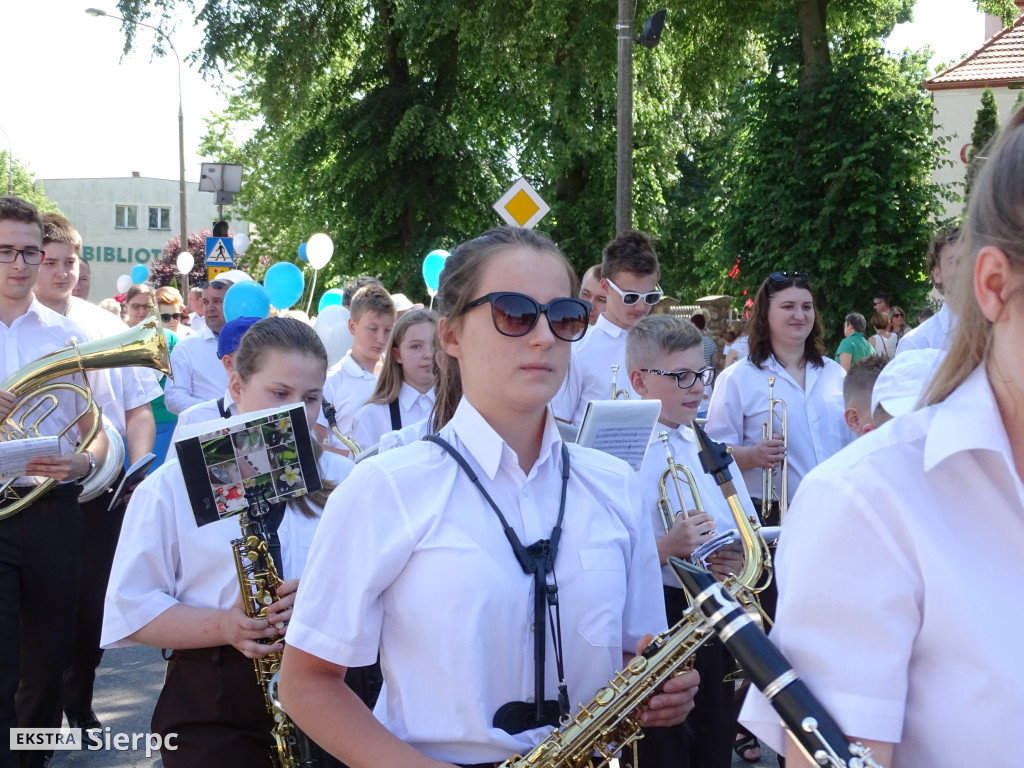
x: 126, y: 216
x: 159, y: 218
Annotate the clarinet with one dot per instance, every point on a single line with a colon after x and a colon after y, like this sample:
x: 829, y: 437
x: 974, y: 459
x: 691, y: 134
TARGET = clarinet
x: 804, y: 716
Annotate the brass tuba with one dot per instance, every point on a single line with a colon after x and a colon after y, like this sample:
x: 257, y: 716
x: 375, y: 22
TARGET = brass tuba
x: 669, y: 511
x: 776, y: 410
x: 34, y: 389
x: 618, y: 394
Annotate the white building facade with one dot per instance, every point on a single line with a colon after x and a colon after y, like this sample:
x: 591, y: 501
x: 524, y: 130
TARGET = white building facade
x: 128, y: 221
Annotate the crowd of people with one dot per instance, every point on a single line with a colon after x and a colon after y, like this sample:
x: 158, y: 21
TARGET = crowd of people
x: 466, y: 578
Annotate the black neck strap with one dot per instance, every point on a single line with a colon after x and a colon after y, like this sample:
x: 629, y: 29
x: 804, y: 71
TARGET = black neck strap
x: 538, y: 559
x: 396, y: 414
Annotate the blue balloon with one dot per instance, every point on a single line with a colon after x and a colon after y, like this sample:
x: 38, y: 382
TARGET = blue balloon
x: 284, y: 284
x: 140, y: 273
x: 302, y: 251
x: 246, y: 299
x: 432, y: 266
x: 330, y: 298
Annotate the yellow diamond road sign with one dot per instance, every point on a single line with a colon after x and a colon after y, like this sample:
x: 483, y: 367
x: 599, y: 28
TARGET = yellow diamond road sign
x: 521, y: 206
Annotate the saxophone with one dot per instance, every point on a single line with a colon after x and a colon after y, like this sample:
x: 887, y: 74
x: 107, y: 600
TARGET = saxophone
x: 611, y: 722
x: 258, y: 580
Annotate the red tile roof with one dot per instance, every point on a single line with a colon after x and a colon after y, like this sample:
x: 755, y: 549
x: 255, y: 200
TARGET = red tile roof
x: 999, y: 62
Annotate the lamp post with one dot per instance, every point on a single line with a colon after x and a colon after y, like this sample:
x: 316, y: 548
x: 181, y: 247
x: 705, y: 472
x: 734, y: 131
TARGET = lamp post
x: 649, y: 38
x: 181, y: 132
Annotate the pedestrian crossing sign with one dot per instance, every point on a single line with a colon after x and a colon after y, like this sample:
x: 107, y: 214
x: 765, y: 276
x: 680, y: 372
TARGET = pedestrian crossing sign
x: 220, y: 252
x: 521, y: 206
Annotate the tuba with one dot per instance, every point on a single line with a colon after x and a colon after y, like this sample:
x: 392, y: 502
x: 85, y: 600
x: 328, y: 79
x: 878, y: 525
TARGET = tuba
x: 35, y: 391
x: 331, y: 414
x: 618, y: 394
x: 601, y: 729
x: 665, y: 505
x: 776, y: 410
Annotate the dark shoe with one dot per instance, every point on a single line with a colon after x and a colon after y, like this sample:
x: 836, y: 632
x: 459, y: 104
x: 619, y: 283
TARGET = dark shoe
x: 745, y: 744
x: 87, y: 721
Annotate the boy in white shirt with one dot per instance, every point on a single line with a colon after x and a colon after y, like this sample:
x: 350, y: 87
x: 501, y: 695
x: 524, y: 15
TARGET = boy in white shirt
x: 630, y: 273
x: 351, y: 381
x: 666, y: 362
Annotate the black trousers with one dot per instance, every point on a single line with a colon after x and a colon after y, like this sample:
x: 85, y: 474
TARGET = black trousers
x: 704, y: 739
x: 102, y: 529
x: 40, y: 549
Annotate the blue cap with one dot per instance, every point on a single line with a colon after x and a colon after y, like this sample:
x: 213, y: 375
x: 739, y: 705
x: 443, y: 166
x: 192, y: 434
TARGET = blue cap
x: 231, y: 335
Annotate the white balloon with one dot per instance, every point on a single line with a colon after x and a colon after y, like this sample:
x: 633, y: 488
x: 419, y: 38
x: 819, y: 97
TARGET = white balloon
x: 234, y: 275
x: 319, y: 249
x: 124, y: 282
x: 185, y: 262
x: 241, y: 242
x: 332, y: 327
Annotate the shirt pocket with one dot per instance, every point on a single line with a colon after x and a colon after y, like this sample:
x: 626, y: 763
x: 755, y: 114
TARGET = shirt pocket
x: 602, y: 596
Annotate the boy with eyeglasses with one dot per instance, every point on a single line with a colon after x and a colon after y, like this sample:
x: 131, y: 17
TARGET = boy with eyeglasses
x: 630, y: 273
x: 666, y: 362
x: 132, y: 416
x: 40, y: 547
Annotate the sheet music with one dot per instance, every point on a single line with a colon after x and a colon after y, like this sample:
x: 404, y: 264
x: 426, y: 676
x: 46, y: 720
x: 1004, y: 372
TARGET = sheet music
x: 622, y: 428
x: 15, y: 454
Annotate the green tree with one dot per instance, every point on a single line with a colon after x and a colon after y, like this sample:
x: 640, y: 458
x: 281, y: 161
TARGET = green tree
x: 24, y: 185
x: 986, y: 126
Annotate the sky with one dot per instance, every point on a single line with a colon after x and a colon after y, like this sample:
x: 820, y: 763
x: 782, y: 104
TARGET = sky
x: 73, y: 106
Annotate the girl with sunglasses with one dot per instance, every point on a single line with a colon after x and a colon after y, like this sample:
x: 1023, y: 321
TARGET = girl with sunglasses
x: 898, y: 322
x: 911, y: 654
x: 434, y: 579
x: 404, y: 393
x: 172, y: 310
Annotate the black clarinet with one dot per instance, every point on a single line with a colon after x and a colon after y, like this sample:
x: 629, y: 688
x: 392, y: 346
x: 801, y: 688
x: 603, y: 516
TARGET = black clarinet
x: 804, y: 716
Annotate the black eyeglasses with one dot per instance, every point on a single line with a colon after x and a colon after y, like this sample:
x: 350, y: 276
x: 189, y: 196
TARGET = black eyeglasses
x: 32, y: 256
x: 788, y: 277
x: 168, y: 318
x: 629, y: 298
x: 516, y: 314
x: 686, y: 379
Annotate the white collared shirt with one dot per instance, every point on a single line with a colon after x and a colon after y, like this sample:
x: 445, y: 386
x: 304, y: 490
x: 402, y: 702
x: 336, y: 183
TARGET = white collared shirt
x: 683, y: 444
x: 412, y: 561
x: 590, y: 370
x: 134, y: 386
x: 934, y: 333
x: 374, y: 419
x: 399, y: 437
x: 196, y: 322
x: 163, y: 558
x: 896, y: 570
x: 347, y: 388
x: 816, y: 430
x: 208, y: 410
x: 38, y: 332
x: 198, y: 372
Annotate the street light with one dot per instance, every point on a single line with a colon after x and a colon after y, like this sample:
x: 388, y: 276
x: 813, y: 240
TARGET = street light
x: 181, y: 131
x: 649, y: 38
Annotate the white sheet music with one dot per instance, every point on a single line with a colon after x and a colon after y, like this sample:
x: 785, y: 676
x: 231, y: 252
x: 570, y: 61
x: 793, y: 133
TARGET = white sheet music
x: 15, y: 454
x: 622, y: 428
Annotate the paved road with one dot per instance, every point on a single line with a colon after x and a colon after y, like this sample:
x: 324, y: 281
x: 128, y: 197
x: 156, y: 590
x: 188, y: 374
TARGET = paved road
x: 127, y: 686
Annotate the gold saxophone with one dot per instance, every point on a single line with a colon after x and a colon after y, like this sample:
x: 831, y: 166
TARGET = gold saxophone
x: 611, y: 722
x: 258, y: 580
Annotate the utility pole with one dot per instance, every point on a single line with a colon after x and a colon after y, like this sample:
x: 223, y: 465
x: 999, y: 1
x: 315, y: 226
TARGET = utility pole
x: 624, y: 130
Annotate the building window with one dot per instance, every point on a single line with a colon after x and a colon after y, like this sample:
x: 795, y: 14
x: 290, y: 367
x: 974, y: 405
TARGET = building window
x: 159, y: 218
x: 126, y: 216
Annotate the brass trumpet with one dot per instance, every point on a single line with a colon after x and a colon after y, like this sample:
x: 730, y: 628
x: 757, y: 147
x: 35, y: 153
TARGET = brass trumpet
x: 34, y: 389
x: 782, y: 471
x: 672, y: 472
x: 618, y: 394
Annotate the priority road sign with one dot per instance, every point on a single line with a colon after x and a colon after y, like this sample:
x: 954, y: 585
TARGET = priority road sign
x: 521, y: 205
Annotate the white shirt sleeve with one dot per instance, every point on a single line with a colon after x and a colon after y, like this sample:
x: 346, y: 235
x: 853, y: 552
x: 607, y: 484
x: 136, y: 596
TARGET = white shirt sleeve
x: 178, y: 392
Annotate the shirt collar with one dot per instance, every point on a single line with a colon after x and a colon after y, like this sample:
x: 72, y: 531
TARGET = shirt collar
x: 352, y: 368
x: 489, y: 448
x: 408, y: 396
x: 207, y: 334
x: 606, y: 325
x: 967, y: 420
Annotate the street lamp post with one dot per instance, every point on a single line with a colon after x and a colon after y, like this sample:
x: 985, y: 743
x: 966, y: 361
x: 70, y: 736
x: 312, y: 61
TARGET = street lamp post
x: 181, y: 134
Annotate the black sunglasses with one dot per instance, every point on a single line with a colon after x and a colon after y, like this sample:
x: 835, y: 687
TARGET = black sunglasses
x: 168, y: 318
x: 788, y: 277
x: 516, y: 314
x: 686, y: 379
x: 897, y: 314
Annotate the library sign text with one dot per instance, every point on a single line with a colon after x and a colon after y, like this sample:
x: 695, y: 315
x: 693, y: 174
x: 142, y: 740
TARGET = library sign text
x: 100, y: 253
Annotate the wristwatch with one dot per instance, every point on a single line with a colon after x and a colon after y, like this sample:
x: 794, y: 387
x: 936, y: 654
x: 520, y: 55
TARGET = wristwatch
x: 92, y: 463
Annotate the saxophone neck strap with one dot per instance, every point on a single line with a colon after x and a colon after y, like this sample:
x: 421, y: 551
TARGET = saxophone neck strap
x: 537, y: 560
x: 396, y: 414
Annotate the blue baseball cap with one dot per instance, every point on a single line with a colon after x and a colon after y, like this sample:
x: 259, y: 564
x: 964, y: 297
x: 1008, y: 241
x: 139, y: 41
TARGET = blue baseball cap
x: 231, y: 335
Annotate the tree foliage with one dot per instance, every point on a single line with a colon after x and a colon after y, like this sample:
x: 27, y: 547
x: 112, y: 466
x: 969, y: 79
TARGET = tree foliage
x: 986, y: 126
x: 24, y: 184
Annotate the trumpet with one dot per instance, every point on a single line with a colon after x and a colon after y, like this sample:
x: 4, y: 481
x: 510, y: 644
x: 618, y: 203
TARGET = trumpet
x: 673, y: 472
x: 618, y: 394
x: 776, y: 410
x: 332, y: 419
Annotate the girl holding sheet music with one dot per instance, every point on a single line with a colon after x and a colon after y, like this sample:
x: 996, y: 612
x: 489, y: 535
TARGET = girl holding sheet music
x: 174, y: 584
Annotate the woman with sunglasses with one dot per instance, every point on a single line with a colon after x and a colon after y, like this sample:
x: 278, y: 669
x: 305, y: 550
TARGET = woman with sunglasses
x: 910, y: 653
x: 435, y: 579
x: 172, y: 310
x: 898, y: 323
